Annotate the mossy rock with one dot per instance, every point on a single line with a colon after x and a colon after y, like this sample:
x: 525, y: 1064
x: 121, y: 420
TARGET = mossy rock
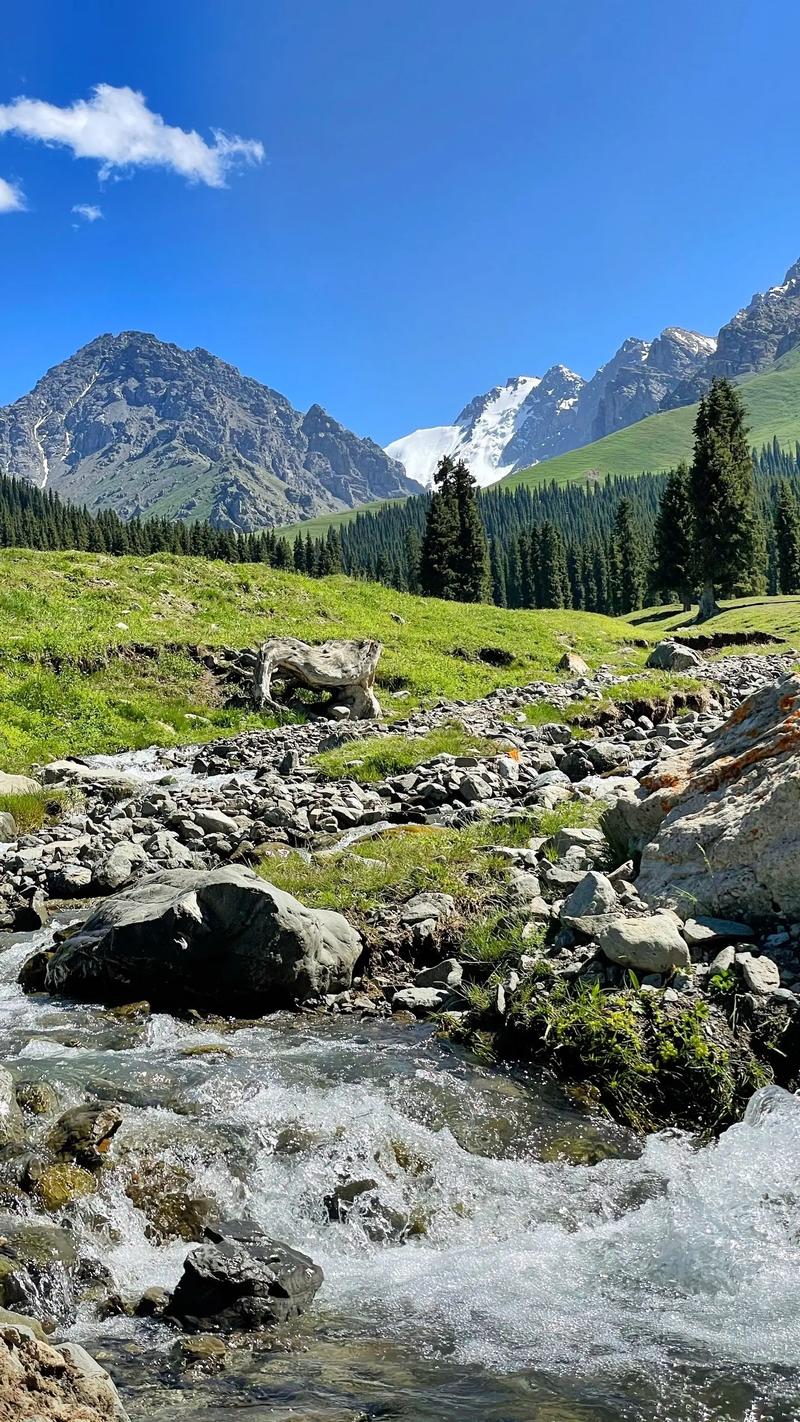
x: 58, y: 1185
x: 166, y: 1196
x: 38, y: 1098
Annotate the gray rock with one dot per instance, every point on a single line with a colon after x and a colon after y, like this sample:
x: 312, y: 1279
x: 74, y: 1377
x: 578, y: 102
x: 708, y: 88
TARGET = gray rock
x: 18, y: 784
x: 119, y: 867
x: 12, y: 1125
x: 8, y: 827
x: 594, y: 895
x: 673, y: 656
x: 242, y: 1279
x: 728, y: 841
x: 419, y: 1000
x: 761, y: 975
x: 220, y: 940
x: 447, y: 974
x: 699, y: 931
x: 649, y: 945
x: 723, y: 962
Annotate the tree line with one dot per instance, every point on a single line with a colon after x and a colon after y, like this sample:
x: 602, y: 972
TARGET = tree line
x: 727, y: 524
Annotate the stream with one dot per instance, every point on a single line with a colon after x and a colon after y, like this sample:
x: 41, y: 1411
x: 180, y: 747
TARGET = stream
x: 554, y: 1268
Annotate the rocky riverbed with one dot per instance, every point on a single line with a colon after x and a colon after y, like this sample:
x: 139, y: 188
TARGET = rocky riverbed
x: 490, y: 1248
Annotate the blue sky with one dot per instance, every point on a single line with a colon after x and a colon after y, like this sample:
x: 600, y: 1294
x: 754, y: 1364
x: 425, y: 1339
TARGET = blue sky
x: 451, y: 192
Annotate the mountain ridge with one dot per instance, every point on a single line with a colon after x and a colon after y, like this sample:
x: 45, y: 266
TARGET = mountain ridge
x: 141, y: 425
x: 563, y: 412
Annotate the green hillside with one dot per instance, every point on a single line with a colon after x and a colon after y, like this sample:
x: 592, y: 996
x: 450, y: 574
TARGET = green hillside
x: 661, y: 441
x: 318, y: 527
x: 777, y: 616
x: 72, y: 681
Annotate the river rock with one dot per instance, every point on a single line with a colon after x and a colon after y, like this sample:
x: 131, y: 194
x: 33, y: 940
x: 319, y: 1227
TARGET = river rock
x: 84, y: 1134
x: 8, y: 827
x: 242, y: 1279
x: 673, y: 656
x: 18, y: 784
x: 12, y: 1126
x: 42, y: 1383
x: 761, y: 975
x: 649, y: 945
x: 726, y: 837
x: 593, y: 896
x: 220, y: 940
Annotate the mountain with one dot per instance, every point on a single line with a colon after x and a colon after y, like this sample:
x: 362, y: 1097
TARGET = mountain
x: 479, y: 435
x: 533, y: 418
x: 756, y: 337
x: 659, y: 442
x: 138, y: 425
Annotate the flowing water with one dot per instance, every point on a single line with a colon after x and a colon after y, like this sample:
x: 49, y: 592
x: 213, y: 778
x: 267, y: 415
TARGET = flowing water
x: 555, y: 1269
x: 559, y: 1270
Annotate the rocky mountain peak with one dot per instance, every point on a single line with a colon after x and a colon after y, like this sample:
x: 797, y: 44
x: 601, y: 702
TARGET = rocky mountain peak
x: 138, y: 424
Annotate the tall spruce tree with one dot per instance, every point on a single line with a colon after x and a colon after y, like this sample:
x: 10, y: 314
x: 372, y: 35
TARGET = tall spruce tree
x: 437, y: 564
x: 471, y: 564
x: 555, y: 589
x: 730, y: 552
x: 630, y: 562
x: 787, y: 539
x: 673, y: 541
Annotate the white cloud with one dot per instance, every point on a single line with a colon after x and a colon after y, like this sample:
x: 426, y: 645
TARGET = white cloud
x: 116, y: 128
x: 11, y: 198
x: 88, y: 211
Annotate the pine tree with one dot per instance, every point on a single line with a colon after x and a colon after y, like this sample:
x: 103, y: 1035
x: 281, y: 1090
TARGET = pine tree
x: 630, y: 563
x: 730, y: 551
x: 471, y: 561
x: 673, y: 541
x: 555, y: 583
x: 437, y: 570
x: 787, y: 540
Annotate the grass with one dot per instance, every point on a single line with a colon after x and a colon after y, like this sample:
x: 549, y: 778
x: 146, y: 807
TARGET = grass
x: 318, y: 527
x: 36, y: 808
x: 395, y: 865
x: 659, y: 690
x: 777, y: 616
x: 381, y: 756
x: 772, y: 401
x: 81, y: 613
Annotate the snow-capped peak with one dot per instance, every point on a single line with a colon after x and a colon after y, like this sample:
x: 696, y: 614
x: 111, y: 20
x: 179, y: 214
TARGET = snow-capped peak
x: 479, y: 435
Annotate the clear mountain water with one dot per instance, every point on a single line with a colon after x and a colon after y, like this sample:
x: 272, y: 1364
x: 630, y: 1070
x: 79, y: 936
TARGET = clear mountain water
x: 559, y: 1270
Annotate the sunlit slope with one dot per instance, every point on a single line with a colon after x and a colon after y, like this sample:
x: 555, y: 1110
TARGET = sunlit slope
x: 772, y: 400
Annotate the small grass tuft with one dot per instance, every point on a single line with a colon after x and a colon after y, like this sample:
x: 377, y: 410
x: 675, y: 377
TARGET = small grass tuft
x: 380, y: 756
x: 37, y: 807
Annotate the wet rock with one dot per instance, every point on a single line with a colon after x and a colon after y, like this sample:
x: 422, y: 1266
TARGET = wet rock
x: 168, y: 1198
x: 38, y: 1269
x: 220, y: 940
x: 378, y: 1220
x: 204, y: 1353
x: 153, y: 1303
x: 38, y: 1098
x: 12, y: 1126
x: 58, y: 1185
x: 242, y: 1279
x: 649, y: 945
x: 84, y: 1134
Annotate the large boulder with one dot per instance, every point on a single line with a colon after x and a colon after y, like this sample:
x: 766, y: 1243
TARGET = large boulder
x: 221, y: 940
x: 43, y: 1383
x: 241, y: 1279
x: 650, y: 945
x: 721, y: 825
x: 346, y: 669
x: 18, y: 784
x: 673, y: 656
